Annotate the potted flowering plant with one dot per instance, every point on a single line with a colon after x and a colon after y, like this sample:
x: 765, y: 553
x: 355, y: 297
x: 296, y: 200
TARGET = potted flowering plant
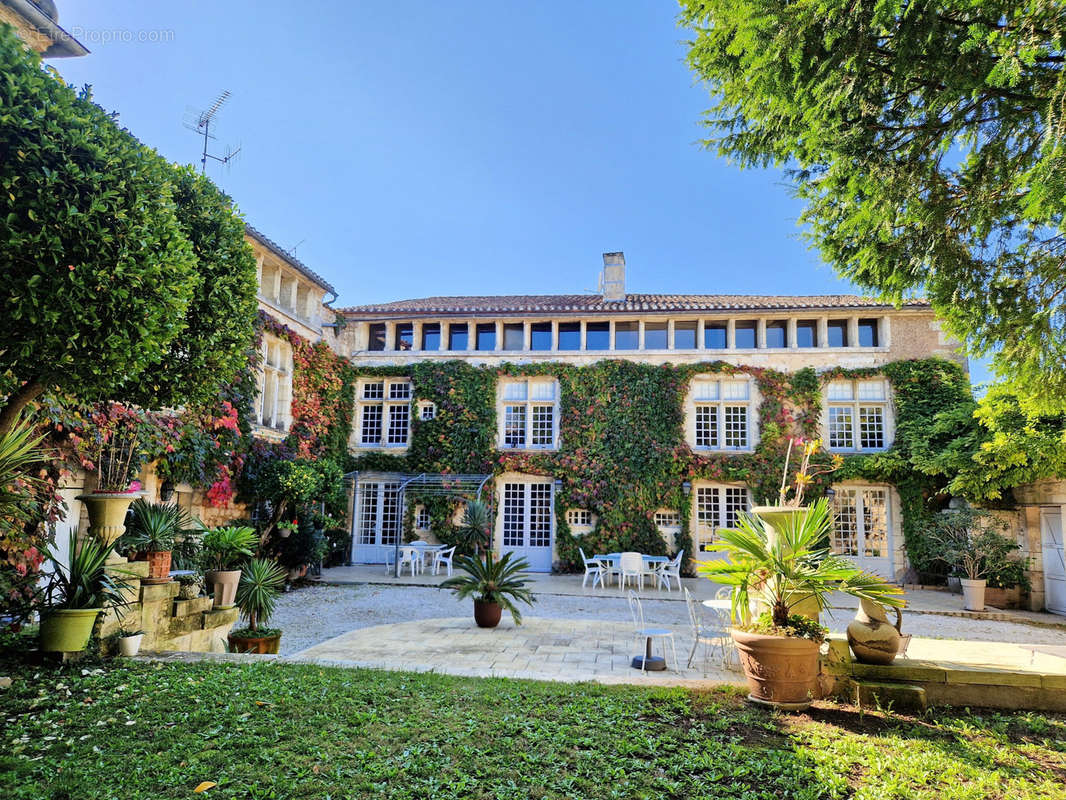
x: 285, y: 529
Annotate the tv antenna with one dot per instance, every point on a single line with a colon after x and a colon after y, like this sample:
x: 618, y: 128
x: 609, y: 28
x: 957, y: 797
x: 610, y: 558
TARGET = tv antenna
x: 200, y: 122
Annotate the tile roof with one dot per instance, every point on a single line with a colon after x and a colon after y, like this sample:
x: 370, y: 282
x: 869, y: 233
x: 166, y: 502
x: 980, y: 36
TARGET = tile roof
x: 594, y: 303
x: 290, y: 259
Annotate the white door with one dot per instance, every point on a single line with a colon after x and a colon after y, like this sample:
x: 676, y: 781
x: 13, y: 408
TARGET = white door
x: 1054, y: 561
x: 528, y: 521
x: 861, y: 529
x: 377, y: 522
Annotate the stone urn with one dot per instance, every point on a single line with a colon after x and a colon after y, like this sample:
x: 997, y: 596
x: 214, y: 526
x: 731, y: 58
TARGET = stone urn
x: 873, y: 639
x: 776, y: 518
x: 107, y: 515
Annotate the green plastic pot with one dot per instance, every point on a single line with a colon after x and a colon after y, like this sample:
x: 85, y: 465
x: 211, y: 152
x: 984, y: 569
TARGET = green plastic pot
x: 67, y: 630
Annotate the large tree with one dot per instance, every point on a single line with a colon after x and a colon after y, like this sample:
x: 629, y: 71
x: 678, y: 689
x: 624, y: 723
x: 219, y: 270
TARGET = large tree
x: 926, y: 139
x: 124, y: 278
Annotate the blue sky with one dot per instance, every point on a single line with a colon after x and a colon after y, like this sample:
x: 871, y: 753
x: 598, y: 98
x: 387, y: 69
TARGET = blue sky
x: 412, y: 149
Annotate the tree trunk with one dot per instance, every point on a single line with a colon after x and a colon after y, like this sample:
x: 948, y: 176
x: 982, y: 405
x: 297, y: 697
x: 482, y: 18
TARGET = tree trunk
x: 18, y: 400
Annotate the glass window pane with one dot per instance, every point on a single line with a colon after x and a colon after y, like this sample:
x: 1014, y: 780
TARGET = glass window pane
x: 405, y: 336
x: 777, y: 334
x: 715, y: 336
x: 515, y: 390
x: 840, y: 430
x: 745, y: 335
x: 704, y: 389
x: 868, y: 333
x: 840, y: 390
x: 684, y: 335
x: 377, y: 336
x: 459, y: 336
x: 597, y: 336
x: 542, y: 390
x: 514, y: 336
x: 872, y: 390
x: 626, y: 336
x: 845, y: 523
x: 486, y: 336
x: 807, y: 333
x: 431, y: 336
x: 540, y: 336
x: 735, y: 390
x: 656, y: 336
x: 838, y: 333
x: 569, y: 336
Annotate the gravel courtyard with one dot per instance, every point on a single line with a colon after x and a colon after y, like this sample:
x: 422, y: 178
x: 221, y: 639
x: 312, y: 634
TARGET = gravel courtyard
x: 312, y: 614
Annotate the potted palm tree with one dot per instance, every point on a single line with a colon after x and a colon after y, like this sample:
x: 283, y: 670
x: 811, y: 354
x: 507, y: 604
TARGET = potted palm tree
x: 494, y: 584
x: 969, y: 541
x: 152, y: 530
x: 257, y: 594
x: 223, y: 548
x: 78, y: 589
x: 779, y: 648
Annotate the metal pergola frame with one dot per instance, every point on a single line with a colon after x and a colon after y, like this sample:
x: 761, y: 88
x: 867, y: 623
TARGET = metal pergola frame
x: 440, y: 484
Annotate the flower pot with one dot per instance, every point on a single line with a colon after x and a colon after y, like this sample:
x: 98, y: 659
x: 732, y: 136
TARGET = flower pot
x: 297, y: 572
x: 158, y: 567
x: 487, y: 615
x: 67, y: 630
x: 107, y: 514
x: 973, y: 595
x: 258, y: 645
x: 224, y: 585
x: 782, y: 671
x: 130, y: 645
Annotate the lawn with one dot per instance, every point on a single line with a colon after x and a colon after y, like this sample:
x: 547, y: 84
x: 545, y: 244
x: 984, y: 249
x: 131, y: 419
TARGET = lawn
x: 143, y: 730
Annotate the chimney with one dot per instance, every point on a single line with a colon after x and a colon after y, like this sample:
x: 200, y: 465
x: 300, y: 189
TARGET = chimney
x: 613, y: 277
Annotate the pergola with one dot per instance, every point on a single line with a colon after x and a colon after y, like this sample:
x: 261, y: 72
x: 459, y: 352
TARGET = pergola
x: 439, y: 484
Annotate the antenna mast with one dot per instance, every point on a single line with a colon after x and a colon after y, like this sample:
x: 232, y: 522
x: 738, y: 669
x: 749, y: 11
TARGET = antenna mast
x: 201, y: 124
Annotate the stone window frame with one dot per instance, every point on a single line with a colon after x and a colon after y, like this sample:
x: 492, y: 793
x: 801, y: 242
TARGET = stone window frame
x: 275, y: 384
x: 390, y: 401
x: 694, y: 410
x: 855, y: 407
x: 532, y: 410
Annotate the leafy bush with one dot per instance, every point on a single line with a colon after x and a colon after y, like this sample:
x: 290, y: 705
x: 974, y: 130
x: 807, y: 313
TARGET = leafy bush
x: 225, y: 546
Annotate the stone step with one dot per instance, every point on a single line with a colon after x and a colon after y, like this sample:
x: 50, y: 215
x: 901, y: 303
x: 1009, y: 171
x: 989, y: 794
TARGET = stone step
x: 897, y: 696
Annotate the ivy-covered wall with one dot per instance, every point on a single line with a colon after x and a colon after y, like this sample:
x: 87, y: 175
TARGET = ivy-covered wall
x: 623, y: 452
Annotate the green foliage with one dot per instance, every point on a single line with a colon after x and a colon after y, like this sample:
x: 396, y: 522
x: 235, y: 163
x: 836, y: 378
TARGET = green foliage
x: 482, y: 738
x: 968, y: 541
x: 225, y: 546
x: 785, y: 569
x: 927, y: 141
x: 82, y: 579
x: 257, y: 593
x: 153, y: 526
x: 796, y: 625
x: 475, y: 532
x: 500, y: 580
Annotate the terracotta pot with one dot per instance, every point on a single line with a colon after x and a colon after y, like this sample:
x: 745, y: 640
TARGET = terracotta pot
x: 258, y: 645
x: 158, y: 567
x: 67, y: 630
x: 973, y: 595
x: 781, y: 670
x: 872, y: 637
x: 224, y: 585
x: 487, y: 615
x: 130, y: 645
x: 107, y: 514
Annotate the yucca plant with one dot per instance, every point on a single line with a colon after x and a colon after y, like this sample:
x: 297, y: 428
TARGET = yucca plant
x: 257, y: 593
x: 786, y: 569
x: 225, y: 546
x: 82, y: 580
x: 492, y: 580
x: 155, y: 525
x: 474, y: 527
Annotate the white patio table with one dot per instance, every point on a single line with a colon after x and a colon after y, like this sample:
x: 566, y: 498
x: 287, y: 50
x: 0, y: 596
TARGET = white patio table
x: 612, y: 560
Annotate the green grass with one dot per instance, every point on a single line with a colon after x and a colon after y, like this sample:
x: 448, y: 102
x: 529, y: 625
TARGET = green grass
x: 141, y: 730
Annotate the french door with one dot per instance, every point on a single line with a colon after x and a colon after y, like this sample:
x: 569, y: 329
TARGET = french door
x: 377, y: 521
x: 528, y: 521
x: 862, y: 530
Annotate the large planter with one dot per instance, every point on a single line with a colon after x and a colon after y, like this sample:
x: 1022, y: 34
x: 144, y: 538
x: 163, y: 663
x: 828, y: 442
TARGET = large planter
x: 224, y: 585
x: 973, y: 595
x: 158, y: 566
x: 781, y: 671
x: 107, y: 513
x: 67, y: 630
x: 776, y: 518
x: 257, y: 645
x: 1003, y: 598
x: 487, y: 615
x: 130, y: 646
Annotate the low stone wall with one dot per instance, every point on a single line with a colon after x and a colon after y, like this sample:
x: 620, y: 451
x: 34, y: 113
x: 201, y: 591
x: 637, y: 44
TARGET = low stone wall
x: 168, y: 623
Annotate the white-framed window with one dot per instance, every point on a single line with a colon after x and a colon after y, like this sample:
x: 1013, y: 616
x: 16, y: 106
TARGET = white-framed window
x: 667, y: 518
x: 579, y: 518
x: 861, y: 522
x: 275, y: 382
x: 383, y: 412
x: 427, y: 410
x: 717, y: 506
x: 857, y: 415
x: 528, y: 410
x: 422, y: 521
x: 721, y: 413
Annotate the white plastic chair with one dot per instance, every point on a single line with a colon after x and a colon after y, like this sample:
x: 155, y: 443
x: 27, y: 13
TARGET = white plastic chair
x: 671, y: 569
x: 390, y: 560
x: 443, y: 558
x: 410, y: 557
x: 593, y: 569
x: 631, y: 565
x: 642, y: 631
x: 714, y: 634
